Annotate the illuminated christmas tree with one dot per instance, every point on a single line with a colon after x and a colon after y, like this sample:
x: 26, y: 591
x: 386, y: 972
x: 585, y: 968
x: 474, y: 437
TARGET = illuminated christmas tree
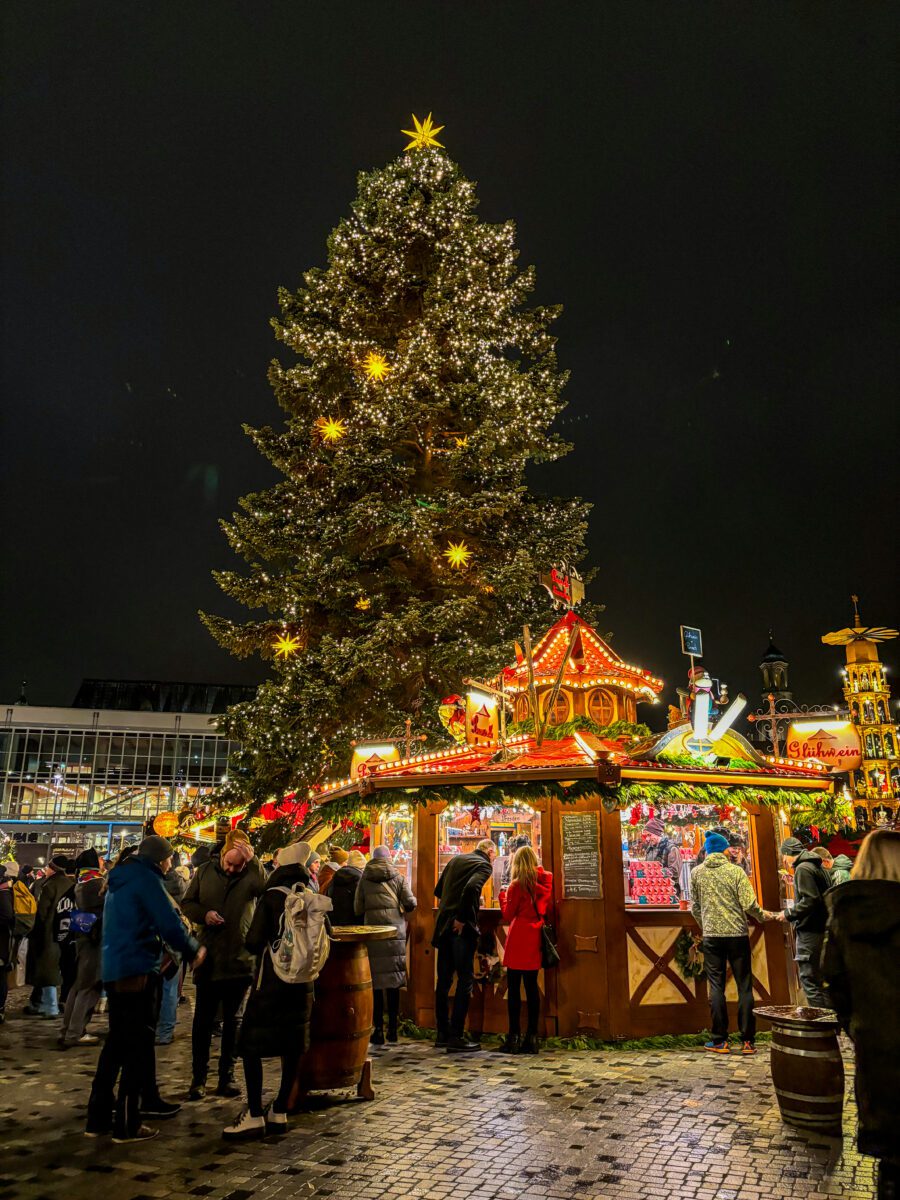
x: 400, y: 551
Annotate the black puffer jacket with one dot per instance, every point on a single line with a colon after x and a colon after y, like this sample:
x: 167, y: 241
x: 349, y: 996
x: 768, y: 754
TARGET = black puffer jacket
x: 276, y: 1021
x: 861, y: 969
x: 811, y: 882
x: 342, y: 893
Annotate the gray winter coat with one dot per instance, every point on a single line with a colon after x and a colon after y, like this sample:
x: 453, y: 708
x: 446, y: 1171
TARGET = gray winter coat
x: 383, y: 898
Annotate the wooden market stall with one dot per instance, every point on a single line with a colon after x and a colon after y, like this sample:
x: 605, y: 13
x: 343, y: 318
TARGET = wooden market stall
x: 582, y: 795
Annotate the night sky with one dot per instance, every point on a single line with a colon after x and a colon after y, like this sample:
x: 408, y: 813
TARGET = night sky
x: 709, y: 189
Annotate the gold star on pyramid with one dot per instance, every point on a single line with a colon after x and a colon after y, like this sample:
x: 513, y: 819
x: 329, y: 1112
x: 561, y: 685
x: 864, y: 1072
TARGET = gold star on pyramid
x: 332, y: 429
x: 457, y: 555
x: 286, y: 645
x: 424, y: 134
x: 376, y: 366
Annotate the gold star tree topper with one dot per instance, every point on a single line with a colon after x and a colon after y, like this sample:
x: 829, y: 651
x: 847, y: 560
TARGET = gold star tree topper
x: 286, y: 645
x: 332, y: 429
x: 457, y: 555
x: 376, y: 366
x: 424, y: 134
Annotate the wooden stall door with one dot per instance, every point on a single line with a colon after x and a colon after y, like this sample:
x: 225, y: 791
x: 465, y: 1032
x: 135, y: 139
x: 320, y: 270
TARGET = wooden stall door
x: 582, y: 1002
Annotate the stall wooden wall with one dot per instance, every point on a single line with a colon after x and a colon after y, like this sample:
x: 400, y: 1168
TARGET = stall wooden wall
x: 617, y: 977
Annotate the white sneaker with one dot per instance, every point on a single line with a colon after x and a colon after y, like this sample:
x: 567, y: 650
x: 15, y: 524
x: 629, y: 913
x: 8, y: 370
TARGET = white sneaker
x: 276, y: 1122
x: 245, y: 1128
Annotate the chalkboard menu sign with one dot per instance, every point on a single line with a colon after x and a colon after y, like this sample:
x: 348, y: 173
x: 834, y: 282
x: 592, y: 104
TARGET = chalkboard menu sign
x: 581, y: 856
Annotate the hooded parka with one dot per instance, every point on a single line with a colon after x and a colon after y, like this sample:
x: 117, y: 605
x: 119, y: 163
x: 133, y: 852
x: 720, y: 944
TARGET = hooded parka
x: 861, y: 969
x: 342, y: 893
x: 383, y: 897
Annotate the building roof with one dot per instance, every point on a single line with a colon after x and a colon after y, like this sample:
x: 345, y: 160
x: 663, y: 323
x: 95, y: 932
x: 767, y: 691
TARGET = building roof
x: 155, y: 695
x: 568, y: 758
x: 773, y: 654
x: 591, y: 662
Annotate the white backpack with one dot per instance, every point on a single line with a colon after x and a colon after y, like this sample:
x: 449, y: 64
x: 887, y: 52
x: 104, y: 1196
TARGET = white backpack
x: 301, y: 949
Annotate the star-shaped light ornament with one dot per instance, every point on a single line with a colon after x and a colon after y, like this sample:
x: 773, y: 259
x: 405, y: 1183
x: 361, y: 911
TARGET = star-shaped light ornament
x: 376, y: 366
x: 423, y: 135
x: 457, y: 555
x: 286, y: 645
x: 331, y: 429
x: 364, y: 603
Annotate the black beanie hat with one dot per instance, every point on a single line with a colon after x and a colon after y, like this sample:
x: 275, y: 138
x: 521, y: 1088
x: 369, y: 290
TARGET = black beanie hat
x: 156, y: 848
x: 791, y: 846
x: 88, y: 860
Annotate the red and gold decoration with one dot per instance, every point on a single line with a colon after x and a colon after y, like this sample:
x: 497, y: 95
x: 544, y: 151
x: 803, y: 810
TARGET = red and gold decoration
x: 875, y: 779
x: 364, y: 603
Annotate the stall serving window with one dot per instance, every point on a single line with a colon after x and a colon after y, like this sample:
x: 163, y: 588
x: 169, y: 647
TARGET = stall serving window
x: 662, y: 845
x: 397, y: 835
x: 508, y: 826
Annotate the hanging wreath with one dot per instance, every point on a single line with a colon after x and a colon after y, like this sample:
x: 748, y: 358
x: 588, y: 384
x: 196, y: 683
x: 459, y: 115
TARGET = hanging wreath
x: 689, y: 955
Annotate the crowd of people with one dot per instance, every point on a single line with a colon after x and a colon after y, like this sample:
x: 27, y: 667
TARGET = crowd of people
x: 127, y: 936
x: 845, y: 918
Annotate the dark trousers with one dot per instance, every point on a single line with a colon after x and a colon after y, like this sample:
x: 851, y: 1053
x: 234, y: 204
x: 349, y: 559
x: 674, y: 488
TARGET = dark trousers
x: 455, y: 956
x: 393, y: 1007
x: 253, y: 1079
x: 129, y: 1050
x: 808, y: 954
x: 514, y: 981
x: 734, y: 952
x: 230, y: 993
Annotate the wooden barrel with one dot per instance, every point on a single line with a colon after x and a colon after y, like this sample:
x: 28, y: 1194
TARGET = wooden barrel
x: 807, y: 1068
x: 342, y: 1013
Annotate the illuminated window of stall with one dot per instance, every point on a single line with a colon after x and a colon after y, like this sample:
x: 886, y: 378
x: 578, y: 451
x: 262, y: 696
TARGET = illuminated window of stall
x: 397, y: 834
x: 508, y: 827
x: 560, y: 712
x: 657, y: 866
x: 601, y: 707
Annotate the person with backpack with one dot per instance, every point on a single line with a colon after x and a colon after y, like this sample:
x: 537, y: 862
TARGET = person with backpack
x: 289, y: 936
x: 523, y: 907
x: 808, y: 916
x: 221, y: 900
x: 43, y: 964
x: 85, y: 930
x: 383, y: 897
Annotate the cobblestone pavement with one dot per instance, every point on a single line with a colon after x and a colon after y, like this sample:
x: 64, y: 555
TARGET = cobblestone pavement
x: 672, y: 1125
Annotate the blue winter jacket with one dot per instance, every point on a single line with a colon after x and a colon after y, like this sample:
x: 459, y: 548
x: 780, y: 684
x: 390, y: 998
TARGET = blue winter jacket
x: 138, y: 917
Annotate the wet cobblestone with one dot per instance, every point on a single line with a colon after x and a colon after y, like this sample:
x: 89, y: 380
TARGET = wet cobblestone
x: 565, y: 1125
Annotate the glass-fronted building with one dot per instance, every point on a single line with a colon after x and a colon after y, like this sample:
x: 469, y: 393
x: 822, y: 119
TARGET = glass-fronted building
x: 74, y: 777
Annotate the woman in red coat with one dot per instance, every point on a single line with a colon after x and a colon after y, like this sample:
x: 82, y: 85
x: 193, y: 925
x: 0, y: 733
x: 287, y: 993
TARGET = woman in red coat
x: 523, y: 907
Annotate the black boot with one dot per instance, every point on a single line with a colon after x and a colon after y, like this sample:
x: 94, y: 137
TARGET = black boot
x: 510, y: 1044
x: 392, y: 1035
x: 529, y: 1044
x: 377, y: 1038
